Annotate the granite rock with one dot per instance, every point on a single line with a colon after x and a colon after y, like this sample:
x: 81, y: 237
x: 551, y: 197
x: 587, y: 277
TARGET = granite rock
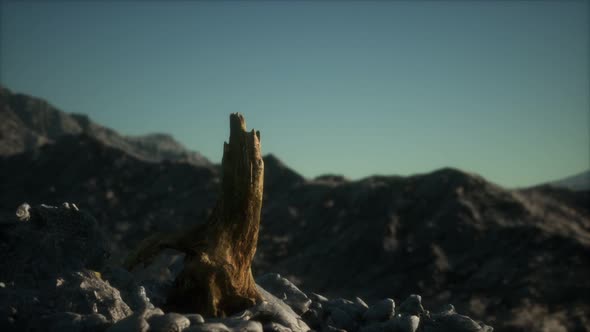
x: 286, y: 291
x: 380, y: 311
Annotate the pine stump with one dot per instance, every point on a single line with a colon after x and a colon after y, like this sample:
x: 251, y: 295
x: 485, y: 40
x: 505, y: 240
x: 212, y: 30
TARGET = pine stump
x: 217, y: 277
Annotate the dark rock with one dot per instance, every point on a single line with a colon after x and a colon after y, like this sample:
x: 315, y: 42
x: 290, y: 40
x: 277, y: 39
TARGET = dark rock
x: 486, y: 328
x: 330, y: 328
x: 68, y: 321
x: 373, y: 327
x: 149, y: 313
x: 232, y: 320
x: 248, y: 326
x: 341, y: 319
x: 66, y: 239
x: 132, y: 293
x: 243, y: 326
x: 354, y: 310
x: 85, y: 293
x: 380, y: 311
x: 18, y: 307
x: 286, y: 291
x: 133, y: 323
x: 195, y: 319
x: 412, y: 305
x: 447, y: 309
x: 50, y: 279
x: 399, y: 323
x: 406, y: 323
x: 317, y: 306
x: 141, y: 300
x: 209, y: 327
x: 275, y: 327
x: 95, y: 322
x: 138, y: 321
x: 313, y: 318
x: 455, y: 322
x: 268, y: 311
x: 360, y: 302
x: 171, y: 322
x: 272, y: 309
x: 158, y: 277
x: 318, y: 298
x: 82, y: 293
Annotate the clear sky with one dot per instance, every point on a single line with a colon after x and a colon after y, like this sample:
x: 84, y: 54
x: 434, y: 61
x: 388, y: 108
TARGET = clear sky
x: 499, y: 88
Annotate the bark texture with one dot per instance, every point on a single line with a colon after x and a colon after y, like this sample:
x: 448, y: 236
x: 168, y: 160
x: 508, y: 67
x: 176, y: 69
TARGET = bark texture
x: 217, y: 278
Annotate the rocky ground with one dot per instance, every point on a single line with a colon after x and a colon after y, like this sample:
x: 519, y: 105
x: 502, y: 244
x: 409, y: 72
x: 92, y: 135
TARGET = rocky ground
x: 64, y: 283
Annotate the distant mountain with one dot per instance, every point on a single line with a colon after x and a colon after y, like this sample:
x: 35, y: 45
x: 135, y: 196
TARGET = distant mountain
x: 277, y: 175
x: 579, y: 181
x: 27, y: 122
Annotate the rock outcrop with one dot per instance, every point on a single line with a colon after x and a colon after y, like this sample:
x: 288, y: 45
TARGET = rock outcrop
x: 49, y: 277
x: 45, y: 241
x: 71, y: 297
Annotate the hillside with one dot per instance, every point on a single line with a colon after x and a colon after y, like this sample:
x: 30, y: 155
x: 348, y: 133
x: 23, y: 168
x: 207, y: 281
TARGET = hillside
x: 499, y: 254
x: 27, y: 122
x: 580, y: 181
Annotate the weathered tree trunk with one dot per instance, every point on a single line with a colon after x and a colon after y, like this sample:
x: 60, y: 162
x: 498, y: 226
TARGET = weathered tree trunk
x: 217, y: 277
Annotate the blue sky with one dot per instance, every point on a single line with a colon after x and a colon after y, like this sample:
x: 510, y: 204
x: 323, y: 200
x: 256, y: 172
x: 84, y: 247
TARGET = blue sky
x: 499, y: 88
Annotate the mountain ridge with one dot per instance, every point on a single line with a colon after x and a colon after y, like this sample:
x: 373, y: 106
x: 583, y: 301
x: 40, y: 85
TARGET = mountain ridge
x: 578, y: 181
x: 28, y: 122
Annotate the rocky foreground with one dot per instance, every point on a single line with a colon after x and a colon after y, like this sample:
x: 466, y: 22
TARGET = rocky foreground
x: 57, y: 277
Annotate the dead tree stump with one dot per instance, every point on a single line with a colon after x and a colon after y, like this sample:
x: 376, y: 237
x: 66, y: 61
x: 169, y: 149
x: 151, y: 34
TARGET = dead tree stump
x: 217, y: 278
